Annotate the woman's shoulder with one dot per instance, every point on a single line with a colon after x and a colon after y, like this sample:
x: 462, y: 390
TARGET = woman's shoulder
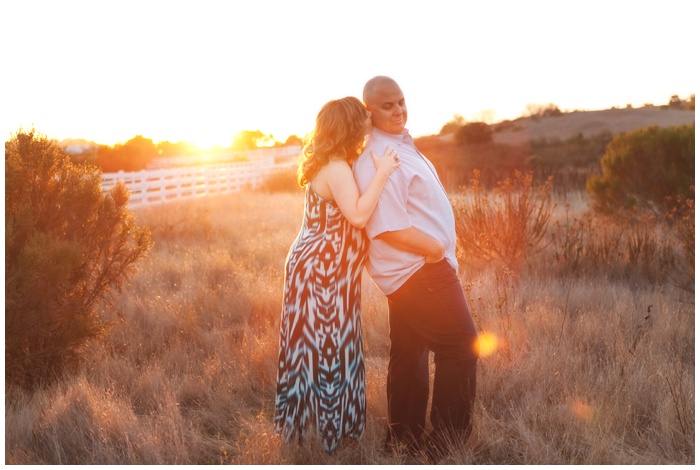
x: 332, y: 171
x: 336, y: 164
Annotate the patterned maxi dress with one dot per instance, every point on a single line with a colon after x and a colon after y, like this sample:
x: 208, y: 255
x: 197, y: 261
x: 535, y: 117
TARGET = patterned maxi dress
x: 321, y: 370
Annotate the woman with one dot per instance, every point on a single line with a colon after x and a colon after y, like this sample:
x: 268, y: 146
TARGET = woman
x: 321, y: 372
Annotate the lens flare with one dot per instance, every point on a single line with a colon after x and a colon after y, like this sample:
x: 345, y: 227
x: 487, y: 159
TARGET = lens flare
x: 486, y: 344
x: 582, y: 409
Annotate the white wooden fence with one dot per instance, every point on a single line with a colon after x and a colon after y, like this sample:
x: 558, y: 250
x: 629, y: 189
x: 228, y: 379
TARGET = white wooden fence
x: 152, y: 187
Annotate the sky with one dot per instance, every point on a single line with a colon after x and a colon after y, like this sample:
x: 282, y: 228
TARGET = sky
x: 201, y: 71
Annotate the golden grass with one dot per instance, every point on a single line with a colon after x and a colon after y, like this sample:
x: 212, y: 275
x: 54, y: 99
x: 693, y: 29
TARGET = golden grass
x: 585, y: 370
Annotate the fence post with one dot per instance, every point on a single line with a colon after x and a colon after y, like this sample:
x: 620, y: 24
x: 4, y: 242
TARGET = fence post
x: 178, y: 186
x: 144, y: 188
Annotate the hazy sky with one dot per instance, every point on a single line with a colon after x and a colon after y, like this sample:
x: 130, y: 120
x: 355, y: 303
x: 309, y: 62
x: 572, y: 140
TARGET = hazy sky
x: 200, y: 71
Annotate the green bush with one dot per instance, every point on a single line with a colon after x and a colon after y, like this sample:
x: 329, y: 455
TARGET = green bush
x: 645, y: 169
x: 474, y: 133
x: 68, y: 244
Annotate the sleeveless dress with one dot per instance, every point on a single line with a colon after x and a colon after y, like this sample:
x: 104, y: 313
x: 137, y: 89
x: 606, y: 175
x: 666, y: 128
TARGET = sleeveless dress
x: 321, y: 369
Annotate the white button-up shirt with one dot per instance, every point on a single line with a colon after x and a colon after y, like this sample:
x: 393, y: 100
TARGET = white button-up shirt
x: 412, y: 197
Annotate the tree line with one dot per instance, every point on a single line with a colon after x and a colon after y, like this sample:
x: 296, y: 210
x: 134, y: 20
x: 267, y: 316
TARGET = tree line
x: 139, y: 152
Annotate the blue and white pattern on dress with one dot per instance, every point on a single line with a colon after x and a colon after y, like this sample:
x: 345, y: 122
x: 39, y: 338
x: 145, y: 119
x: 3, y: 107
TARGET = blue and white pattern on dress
x: 321, y: 370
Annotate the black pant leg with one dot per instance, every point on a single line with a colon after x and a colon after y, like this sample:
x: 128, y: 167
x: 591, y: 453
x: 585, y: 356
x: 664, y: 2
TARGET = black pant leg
x: 431, y: 309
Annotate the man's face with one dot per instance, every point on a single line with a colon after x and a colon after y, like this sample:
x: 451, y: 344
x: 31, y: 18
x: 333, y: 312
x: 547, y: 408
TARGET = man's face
x: 388, y: 108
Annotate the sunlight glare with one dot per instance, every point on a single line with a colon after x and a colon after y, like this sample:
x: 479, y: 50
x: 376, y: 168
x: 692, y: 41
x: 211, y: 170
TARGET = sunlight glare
x: 486, y: 344
x: 206, y: 141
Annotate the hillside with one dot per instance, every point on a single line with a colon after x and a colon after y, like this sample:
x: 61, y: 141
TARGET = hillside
x: 589, y: 123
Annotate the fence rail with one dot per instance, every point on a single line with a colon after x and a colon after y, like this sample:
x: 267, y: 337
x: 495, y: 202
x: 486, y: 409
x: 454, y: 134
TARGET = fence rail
x: 153, y: 187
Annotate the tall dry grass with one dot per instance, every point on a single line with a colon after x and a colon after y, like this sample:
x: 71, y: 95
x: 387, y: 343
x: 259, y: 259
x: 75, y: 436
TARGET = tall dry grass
x: 585, y: 369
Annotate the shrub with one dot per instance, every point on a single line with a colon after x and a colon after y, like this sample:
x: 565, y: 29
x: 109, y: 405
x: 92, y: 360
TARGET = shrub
x: 630, y: 246
x: 67, y: 245
x: 283, y: 180
x: 682, y: 217
x: 474, y: 133
x: 644, y: 168
x: 495, y: 161
x: 570, y: 161
x: 542, y: 110
x: 451, y: 127
x: 508, y: 224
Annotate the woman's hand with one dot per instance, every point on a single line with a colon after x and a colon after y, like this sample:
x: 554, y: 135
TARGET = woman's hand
x: 386, y: 163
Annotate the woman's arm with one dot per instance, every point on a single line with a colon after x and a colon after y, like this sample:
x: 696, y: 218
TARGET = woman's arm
x: 355, y: 207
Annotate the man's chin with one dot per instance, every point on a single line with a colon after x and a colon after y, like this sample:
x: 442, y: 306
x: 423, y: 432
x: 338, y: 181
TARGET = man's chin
x: 396, y: 127
x: 393, y: 128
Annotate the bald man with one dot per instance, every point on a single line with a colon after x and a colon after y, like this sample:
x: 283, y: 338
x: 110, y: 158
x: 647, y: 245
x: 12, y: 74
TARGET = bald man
x: 413, y: 262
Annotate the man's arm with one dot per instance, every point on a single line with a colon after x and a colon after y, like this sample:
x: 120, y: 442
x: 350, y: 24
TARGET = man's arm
x: 415, y: 241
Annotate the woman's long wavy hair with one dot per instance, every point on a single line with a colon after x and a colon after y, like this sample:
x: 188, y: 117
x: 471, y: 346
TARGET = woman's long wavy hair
x: 339, y: 132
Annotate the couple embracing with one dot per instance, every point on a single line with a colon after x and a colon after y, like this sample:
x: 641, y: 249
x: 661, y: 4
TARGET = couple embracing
x: 390, y: 214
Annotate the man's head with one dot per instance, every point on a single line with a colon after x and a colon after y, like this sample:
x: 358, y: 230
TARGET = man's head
x: 384, y: 99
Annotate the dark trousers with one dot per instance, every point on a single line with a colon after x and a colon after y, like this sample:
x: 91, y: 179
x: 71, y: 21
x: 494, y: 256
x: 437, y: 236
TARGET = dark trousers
x: 430, y: 312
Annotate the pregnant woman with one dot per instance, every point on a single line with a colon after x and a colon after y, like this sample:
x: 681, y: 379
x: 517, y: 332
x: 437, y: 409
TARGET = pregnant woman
x: 321, y: 373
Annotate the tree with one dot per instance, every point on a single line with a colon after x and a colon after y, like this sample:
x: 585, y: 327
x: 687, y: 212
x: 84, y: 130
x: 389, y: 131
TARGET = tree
x: 139, y: 151
x: 543, y: 110
x: 133, y: 155
x: 675, y: 102
x: 294, y: 140
x: 68, y: 244
x: 645, y: 169
x: 451, y: 127
x: 474, y: 133
x: 248, y: 140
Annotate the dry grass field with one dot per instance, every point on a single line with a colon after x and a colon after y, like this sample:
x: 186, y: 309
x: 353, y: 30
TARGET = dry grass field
x: 585, y: 368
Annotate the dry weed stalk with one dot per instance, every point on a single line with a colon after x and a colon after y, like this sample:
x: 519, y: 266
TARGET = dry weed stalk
x: 509, y: 224
x: 624, y: 246
x: 682, y: 218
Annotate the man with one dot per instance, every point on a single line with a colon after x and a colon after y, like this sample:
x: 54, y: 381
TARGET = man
x: 412, y: 260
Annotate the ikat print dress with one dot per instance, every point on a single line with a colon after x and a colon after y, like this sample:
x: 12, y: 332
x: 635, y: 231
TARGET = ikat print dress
x: 321, y: 370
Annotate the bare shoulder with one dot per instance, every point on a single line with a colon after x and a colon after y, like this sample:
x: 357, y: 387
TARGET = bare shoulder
x: 337, y: 167
x: 332, y: 174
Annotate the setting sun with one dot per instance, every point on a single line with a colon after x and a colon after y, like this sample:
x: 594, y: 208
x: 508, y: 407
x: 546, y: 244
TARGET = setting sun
x: 205, y: 141
x: 175, y: 72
